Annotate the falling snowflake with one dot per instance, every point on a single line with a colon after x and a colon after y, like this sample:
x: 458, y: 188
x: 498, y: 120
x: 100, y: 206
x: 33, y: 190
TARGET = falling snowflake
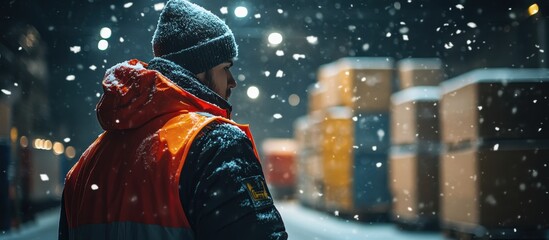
x: 158, y: 6
x: 448, y: 45
x: 75, y: 49
x: 298, y: 56
x: 44, y: 177
x: 312, y: 39
x: 380, y: 134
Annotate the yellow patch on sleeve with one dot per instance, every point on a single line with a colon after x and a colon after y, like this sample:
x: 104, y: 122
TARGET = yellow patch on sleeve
x: 257, y: 190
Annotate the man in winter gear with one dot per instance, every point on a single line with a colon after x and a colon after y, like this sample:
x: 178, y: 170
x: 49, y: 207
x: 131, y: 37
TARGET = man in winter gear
x: 171, y: 164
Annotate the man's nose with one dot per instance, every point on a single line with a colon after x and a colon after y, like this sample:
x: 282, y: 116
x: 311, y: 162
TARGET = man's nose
x: 231, y: 82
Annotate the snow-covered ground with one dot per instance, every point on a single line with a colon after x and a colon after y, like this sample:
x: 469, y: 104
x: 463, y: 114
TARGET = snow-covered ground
x: 301, y: 223
x: 306, y: 224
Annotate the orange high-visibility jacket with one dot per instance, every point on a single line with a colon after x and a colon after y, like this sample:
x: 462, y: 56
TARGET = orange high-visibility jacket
x: 126, y: 184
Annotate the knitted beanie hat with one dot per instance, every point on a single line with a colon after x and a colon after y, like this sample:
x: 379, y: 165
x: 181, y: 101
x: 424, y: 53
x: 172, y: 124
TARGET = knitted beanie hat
x: 193, y: 37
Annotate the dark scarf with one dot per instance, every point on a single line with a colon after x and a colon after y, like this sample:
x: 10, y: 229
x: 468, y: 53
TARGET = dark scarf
x: 187, y: 81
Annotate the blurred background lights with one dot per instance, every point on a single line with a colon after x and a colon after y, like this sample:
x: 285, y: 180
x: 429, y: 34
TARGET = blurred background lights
x: 103, y: 45
x: 533, y: 9
x: 24, y: 141
x: 48, y: 145
x: 105, y: 32
x: 70, y: 152
x: 294, y: 100
x: 14, y: 133
x: 241, y: 12
x: 58, y: 148
x: 253, y: 92
x: 275, y: 38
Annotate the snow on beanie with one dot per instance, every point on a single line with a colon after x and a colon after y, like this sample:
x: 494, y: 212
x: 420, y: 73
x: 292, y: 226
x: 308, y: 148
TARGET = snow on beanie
x: 193, y: 37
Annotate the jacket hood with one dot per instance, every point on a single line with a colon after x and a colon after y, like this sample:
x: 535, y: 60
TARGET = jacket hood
x: 134, y: 94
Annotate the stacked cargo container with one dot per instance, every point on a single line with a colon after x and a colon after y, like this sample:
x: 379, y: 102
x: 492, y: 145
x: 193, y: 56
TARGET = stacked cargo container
x: 415, y: 150
x: 345, y: 160
x: 494, y: 166
x: 309, y: 187
x: 279, y: 166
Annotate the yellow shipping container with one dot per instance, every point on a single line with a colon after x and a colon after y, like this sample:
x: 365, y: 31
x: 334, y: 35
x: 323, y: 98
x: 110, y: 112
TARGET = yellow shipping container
x: 414, y: 186
x: 309, y: 166
x: 317, y: 96
x: 495, y: 186
x: 499, y: 103
x: 414, y: 115
x: 361, y: 83
x: 336, y: 153
x: 413, y: 72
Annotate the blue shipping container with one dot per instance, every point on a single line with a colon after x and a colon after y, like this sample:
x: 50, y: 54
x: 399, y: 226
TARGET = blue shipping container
x: 370, y: 185
x: 372, y: 132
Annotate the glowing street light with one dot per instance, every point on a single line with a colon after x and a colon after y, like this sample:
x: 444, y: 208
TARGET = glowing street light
x: 533, y: 9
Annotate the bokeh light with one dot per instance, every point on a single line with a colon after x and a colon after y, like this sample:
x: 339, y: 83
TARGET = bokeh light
x: 253, y: 92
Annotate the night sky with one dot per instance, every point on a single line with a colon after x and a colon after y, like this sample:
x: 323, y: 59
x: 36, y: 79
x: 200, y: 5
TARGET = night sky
x: 466, y: 35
